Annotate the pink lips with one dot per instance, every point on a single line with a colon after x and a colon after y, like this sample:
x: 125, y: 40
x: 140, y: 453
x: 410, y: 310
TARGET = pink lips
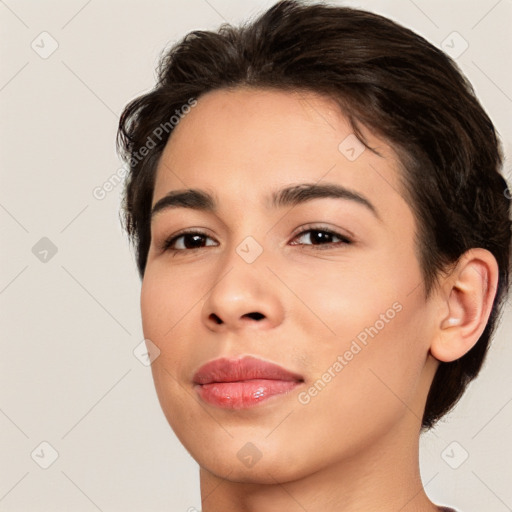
x: 242, y: 383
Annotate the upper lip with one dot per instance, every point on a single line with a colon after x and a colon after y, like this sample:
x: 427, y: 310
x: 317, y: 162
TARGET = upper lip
x: 246, y: 368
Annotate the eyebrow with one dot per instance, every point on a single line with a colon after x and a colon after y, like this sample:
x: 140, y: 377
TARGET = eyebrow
x: 289, y: 196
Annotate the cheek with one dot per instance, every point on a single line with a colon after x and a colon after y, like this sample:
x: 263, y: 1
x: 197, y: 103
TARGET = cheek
x: 164, y: 300
x: 339, y: 305
x: 367, y: 374
x: 370, y: 362
x: 153, y: 304
x: 163, y: 304
x: 164, y: 309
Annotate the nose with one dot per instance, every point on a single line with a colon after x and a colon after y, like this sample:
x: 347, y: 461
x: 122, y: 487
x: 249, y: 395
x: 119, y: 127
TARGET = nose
x: 243, y: 296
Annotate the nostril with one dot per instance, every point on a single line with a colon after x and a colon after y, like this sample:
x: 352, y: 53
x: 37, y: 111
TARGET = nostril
x: 215, y: 318
x: 255, y: 315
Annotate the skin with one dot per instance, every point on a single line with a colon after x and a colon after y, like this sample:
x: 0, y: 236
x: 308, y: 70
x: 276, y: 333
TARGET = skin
x: 354, y: 446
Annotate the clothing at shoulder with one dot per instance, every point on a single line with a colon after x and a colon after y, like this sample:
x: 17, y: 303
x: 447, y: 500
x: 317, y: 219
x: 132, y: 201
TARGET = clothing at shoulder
x: 447, y: 509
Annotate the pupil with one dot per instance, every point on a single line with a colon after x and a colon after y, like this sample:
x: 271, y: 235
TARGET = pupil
x: 320, y: 236
x: 193, y: 245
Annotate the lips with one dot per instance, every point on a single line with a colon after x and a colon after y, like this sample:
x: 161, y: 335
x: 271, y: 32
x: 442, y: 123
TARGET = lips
x: 242, y: 383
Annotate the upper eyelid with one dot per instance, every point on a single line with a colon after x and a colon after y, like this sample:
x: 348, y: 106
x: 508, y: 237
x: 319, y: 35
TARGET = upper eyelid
x: 304, y: 228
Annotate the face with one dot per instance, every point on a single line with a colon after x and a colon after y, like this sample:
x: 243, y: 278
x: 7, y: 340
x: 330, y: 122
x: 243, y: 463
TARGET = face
x: 326, y: 284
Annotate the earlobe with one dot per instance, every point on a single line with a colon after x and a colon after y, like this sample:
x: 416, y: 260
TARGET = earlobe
x: 469, y: 292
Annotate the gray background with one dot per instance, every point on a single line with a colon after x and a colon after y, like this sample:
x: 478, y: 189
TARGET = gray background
x: 70, y: 321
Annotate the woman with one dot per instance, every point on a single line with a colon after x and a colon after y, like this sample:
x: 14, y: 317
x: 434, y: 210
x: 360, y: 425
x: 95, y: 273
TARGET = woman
x: 323, y: 237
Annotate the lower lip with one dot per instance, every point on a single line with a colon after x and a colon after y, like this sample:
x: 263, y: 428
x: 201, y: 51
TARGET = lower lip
x: 243, y: 394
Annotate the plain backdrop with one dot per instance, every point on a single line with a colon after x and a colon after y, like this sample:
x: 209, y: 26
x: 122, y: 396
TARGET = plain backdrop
x: 80, y: 425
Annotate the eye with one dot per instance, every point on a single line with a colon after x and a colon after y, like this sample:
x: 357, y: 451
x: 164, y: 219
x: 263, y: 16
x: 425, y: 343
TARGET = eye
x: 189, y: 240
x: 322, y: 238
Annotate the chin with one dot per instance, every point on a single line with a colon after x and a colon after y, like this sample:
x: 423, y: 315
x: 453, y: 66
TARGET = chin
x: 262, y: 472
x: 245, y: 463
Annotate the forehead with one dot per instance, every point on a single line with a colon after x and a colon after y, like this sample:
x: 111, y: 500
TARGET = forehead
x: 241, y: 143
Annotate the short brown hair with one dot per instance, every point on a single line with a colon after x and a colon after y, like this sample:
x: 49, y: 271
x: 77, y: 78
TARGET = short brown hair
x: 386, y: 78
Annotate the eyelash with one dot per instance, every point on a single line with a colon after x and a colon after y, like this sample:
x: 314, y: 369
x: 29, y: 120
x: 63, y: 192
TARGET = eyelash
x: 166, y: 246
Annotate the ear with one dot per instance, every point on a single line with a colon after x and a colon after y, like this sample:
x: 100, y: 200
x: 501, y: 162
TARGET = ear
x: 468, y: 294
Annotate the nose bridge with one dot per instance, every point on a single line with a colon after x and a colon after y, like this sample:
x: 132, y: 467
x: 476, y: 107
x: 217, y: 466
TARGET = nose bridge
x: 248, y: 237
